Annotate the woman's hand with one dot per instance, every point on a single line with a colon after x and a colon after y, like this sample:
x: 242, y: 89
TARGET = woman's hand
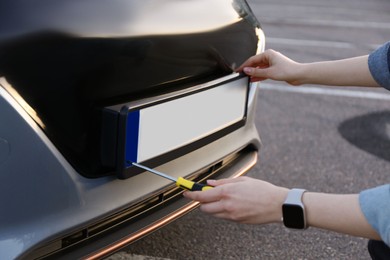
x: 244, y: 200
x: 272, y: 65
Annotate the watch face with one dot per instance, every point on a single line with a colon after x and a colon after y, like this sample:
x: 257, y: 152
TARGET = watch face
x: 293, y: 216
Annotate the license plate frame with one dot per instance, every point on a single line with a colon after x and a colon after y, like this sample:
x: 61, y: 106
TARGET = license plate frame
x: 136, y: 129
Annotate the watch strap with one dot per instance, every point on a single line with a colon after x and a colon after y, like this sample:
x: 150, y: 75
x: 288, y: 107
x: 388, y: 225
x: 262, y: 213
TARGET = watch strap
x: 295, y: 196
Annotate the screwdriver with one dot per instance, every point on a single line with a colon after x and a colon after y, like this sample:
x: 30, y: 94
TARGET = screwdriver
x: 180, y: 182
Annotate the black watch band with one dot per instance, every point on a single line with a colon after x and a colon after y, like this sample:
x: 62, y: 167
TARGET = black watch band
x: 293, y: 210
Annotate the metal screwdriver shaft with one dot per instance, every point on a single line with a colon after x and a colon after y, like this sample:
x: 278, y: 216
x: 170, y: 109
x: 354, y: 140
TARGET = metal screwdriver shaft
x: 180, y: 182
x: 155, y: 172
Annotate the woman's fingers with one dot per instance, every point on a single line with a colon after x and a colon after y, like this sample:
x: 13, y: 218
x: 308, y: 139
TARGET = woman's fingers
x: 260, y: 60
x: 206, y: 196
x: 215, y: 194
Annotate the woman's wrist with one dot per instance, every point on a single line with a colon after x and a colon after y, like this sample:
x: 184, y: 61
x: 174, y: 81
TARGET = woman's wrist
x: 303, y: 74
x: 297, y: 74
x: 280, y: 198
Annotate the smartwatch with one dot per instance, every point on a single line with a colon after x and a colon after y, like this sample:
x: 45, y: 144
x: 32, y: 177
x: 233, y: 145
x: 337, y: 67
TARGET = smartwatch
x: 293, y: 210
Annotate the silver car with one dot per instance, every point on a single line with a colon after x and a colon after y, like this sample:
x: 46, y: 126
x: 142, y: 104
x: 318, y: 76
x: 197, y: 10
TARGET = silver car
x: 89, y: 87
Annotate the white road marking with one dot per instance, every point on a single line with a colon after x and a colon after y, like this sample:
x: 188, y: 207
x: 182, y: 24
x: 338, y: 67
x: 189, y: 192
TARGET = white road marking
x: 314, y: 43
x: 331, y: 23
x: 325, y: 91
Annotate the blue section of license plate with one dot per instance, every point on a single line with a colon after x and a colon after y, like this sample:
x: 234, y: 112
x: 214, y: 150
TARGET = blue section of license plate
x: 132, y: 134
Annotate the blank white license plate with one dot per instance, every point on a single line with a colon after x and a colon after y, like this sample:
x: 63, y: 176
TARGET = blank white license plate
x: 170, y: 125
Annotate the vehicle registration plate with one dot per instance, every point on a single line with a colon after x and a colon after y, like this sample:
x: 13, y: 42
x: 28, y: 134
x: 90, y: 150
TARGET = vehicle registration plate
x: 161, y: 130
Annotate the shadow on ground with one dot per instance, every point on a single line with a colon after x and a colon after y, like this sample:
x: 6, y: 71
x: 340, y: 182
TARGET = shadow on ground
x: 370, y: 132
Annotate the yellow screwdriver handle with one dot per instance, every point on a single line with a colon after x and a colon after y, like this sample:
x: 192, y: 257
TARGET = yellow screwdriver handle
x: 190, y: 185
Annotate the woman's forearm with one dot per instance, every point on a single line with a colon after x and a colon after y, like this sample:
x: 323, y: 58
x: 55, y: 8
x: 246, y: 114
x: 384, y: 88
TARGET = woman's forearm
x: 340, y: 213
x: 347, y: 72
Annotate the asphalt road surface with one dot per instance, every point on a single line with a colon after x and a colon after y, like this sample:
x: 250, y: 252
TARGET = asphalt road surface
x: 322, y: 139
